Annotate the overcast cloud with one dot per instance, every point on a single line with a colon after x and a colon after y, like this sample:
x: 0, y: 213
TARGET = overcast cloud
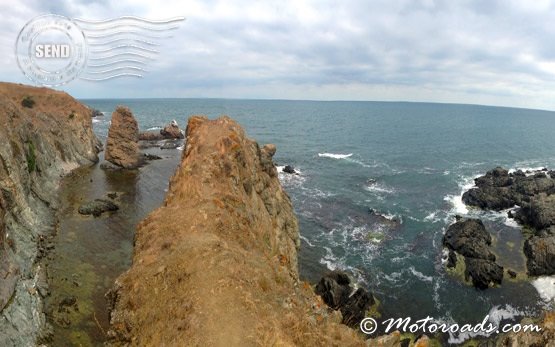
x: 480, y: 52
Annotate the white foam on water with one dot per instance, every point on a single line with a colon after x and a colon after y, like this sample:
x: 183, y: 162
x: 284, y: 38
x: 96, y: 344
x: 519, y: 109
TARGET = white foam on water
x: 528, y: 170
x: 295, y: 178
x: 379, y: 188
x: 94, y: 120
x: 334, y: 156
x: 420, y: 275
x: 307, y: 241
x: 154, y: 128
x: 459, y: 207
x: 546, y: 288
x: 180, y: 148
x: 433, y: 217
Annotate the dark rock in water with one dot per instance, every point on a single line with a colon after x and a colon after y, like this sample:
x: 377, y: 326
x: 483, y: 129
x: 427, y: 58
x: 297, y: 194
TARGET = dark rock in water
x: 170, y: 145
x: 512, y: 273
x: 491, y: 198
x: 336, y: 290
x: 112, y: 195
x: 289, y: 169
x: 539, y: 213
x: 540, y: 252
x: 534, y: 192
x: 498, y: 189
x: 149, y: 157
x: 356, y: 306
x: 483, y: 273
x: 97, y: 207
x: 96, y: 113
x: 470, y: 239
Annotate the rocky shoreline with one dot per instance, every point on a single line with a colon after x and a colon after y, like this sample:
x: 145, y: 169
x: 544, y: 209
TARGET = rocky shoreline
x: 42, y: 141
x: 531, y: 198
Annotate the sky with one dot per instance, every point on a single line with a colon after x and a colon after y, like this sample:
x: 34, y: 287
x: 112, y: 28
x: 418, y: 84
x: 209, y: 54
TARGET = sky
x: 478, y: 51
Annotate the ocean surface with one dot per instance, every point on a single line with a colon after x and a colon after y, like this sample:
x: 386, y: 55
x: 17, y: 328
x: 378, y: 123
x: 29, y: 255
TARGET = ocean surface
x: 378, y: 184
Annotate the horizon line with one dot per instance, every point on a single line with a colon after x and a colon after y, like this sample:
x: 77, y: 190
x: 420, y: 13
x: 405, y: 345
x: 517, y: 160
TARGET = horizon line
x: 316, y: 100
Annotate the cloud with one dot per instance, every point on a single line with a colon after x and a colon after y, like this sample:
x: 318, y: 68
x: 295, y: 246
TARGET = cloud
x: 494, y: 52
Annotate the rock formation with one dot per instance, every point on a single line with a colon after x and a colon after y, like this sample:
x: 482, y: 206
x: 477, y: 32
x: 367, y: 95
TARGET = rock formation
x: 338, y: 292
x: 469, y: 242
x: 534, y: 192
x: 170, y: 132
x: 39, y: 143
x: 122, y: 148
x: 216, y: 265
x: 544, y: 338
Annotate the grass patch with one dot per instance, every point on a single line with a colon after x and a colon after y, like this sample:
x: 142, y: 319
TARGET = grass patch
x: 31, y: 158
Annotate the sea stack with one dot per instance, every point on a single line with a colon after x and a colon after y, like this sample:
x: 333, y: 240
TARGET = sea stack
x: 216, y: 265
x: 122, y: 148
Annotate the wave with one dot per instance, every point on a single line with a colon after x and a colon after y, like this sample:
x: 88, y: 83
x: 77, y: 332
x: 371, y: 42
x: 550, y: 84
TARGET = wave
x: 154, y: 128
x: 379, y: 188
x: 546, y: 288
x: 335, y: 156
x: 420, y: 275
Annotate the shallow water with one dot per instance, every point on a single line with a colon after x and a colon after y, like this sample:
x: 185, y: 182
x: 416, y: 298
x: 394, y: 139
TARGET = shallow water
x: 91, y: 252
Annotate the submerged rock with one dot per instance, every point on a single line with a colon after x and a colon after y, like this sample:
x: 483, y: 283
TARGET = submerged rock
x: 122, y: 147
x: 97, y: 207
x: 470, y: 239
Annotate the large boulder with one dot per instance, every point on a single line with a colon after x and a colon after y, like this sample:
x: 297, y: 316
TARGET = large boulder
x: 470, y: 240
x: 122, y: 147
x: 539, y: 213
x: 172, y: 131
x: 97, y: 207
x: 498, y: 189
x: 540, y: 252
x: 338, y: 292
x: 483, y: 273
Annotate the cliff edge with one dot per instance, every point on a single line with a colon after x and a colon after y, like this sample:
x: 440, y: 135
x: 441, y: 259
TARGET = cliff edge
x: 44, y: 134
x: 216, y: 265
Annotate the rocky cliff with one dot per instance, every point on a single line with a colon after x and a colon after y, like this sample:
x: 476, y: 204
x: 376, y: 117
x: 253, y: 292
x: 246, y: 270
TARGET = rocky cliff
x: 216, y: 265
x: 44, y: 134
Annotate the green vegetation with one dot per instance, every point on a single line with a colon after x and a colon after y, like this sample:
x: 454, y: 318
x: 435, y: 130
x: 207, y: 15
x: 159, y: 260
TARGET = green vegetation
x: 31, y: 158
x: 72, y: 115
x: 28, y: 102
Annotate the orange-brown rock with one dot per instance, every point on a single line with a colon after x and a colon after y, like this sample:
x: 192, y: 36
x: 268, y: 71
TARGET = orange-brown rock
x: 122, y: 148
x: 216, y: 265
x: 172, y: 131
x: 544, y: 338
